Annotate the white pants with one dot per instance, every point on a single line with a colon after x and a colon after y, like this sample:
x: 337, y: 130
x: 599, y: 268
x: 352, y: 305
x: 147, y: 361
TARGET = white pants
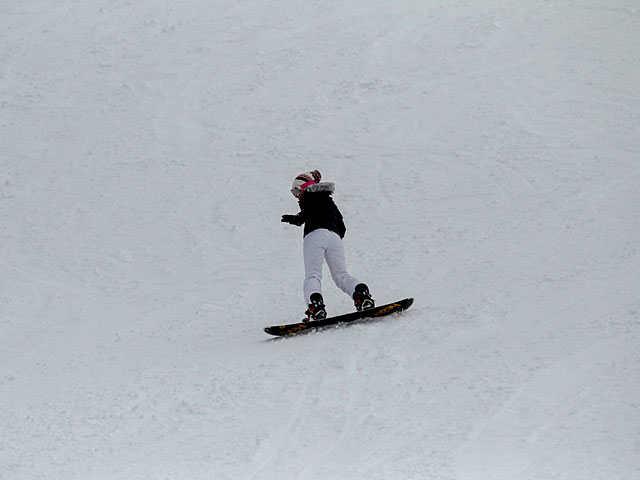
x: 320, y: 245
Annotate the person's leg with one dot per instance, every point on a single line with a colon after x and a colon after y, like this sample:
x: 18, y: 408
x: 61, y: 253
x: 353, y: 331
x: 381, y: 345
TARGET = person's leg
x: 338, y: 266
x: 314, y: 247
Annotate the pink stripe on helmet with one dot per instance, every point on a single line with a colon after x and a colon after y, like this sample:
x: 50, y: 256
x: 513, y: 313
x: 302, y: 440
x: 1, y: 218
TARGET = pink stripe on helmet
x: 305, y: 185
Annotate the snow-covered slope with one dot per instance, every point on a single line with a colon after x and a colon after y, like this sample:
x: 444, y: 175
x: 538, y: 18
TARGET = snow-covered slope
x: 487, y: 162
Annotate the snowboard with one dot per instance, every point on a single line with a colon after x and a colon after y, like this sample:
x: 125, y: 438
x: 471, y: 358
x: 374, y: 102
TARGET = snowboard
x: 375, y: 312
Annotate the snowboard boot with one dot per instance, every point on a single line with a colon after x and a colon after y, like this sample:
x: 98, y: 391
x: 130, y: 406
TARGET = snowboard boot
x: 317, y: 310
x: 362, y: 298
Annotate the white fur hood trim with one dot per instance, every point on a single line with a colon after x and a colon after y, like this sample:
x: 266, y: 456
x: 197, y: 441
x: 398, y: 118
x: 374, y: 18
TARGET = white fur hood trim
x: 321, y: 187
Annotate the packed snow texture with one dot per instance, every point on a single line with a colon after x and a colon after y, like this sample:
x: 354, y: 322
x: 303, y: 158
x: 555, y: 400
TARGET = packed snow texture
x: 486, y: 157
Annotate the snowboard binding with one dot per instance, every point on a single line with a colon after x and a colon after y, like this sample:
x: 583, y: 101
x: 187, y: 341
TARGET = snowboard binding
x: 362, y: 298
x: 316, y: 310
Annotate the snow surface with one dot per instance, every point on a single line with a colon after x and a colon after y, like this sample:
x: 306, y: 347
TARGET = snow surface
x: 487, y: 162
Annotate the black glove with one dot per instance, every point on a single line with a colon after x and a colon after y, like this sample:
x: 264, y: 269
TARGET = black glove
x: 292, y: 219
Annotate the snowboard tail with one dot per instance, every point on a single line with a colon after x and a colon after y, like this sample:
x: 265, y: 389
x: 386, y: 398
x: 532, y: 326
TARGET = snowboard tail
x: 302, y: 327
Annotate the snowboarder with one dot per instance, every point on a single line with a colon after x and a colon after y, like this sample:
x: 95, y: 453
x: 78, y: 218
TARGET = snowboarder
x: 324, y: 230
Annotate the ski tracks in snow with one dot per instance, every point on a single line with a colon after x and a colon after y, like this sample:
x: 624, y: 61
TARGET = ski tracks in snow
x: 332, y: 429
x: 275, y: 448
x: 521, y: 439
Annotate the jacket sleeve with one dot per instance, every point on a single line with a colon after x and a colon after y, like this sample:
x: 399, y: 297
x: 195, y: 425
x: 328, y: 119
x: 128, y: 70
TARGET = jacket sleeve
x: 293, y: 219
x: 302, y: 214
x: 300, y: 218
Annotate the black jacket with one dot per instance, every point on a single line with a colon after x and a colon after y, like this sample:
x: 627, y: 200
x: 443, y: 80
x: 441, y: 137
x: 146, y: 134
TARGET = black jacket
x: 318, y: 210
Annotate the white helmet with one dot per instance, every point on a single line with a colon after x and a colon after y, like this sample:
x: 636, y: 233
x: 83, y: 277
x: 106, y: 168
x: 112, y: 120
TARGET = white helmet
x: 303, y: 180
